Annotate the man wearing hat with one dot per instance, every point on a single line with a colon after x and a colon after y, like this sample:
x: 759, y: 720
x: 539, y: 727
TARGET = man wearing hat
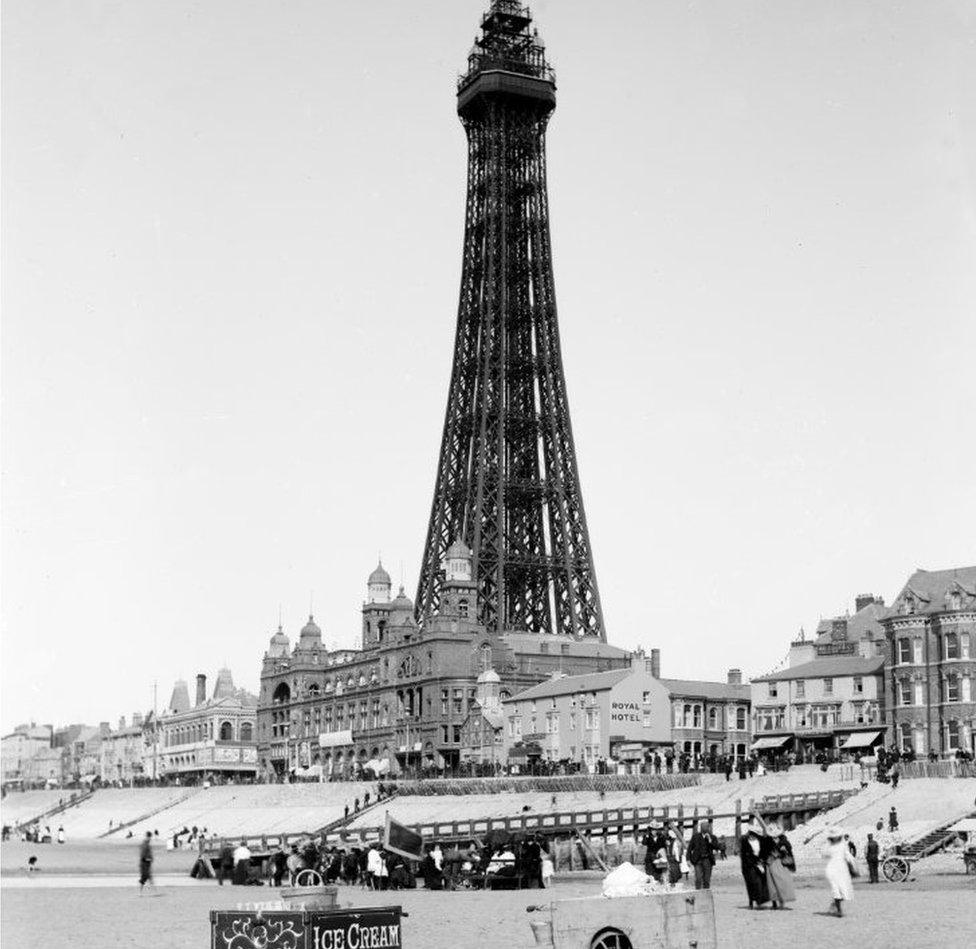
x: 701, y: 854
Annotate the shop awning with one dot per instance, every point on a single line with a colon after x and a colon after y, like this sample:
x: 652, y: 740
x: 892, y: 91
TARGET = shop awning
x: 860, y: 740
x: 762, y: 744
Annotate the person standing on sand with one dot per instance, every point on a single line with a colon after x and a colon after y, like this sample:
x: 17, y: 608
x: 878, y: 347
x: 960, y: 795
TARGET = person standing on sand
x: 60, y: 835
x: 839, y: 869
x: 701, y: 854
x: 779, y: 867
x: 752, y: 855
x: 872, y: 854
x: 145, y: 862
x: 892, y: 819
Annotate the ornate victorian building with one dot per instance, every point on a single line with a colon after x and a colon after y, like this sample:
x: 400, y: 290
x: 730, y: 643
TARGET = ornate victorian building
x: 212, y: 737
x: 401, y: 700
x: 931, y: 680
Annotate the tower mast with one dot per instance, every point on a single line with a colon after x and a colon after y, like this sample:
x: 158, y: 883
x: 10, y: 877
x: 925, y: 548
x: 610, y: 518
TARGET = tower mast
x: 507, y: 480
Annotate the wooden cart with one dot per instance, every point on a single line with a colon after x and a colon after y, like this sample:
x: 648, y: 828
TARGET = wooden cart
x: 675, y: 920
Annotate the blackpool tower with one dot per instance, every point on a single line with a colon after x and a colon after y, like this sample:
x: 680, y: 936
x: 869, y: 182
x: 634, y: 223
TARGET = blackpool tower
x: 507, y: 480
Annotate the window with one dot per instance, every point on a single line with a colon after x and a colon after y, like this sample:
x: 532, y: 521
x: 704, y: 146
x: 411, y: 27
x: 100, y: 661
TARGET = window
x: 919, y: 693
x: 952, y: 688
x: 801, y: 689
x: 698, y: 716
x: 967, y: 689
x: 905, y: 691
x: 552, y: 723
x: 772, y: 690
x: 713, y: 718
x: 444, y: 701
x: 572, y: 721
x: 458, y: 701
x: 917, y: 646
x: 828, y: 686
x: 592, y: 718
x: 444, y: 734
x: 905, y: 736
x: 964, y: 645
x: 904, y: 650
x: 952, y: 736
x: 457, y: 734
x: 858, y: 685
x: 951, y: 646
x: 646, y: 698
x: 740, y: 719
x: 246, y: 731
x: 226, y: 731
x: 686, y: 720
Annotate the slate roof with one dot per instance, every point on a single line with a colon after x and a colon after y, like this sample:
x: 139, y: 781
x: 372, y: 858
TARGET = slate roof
x: 859, y: 625
x: 716, y: 691
x: 829, y: 667
x: 568, y: 685
x: 929, y: 589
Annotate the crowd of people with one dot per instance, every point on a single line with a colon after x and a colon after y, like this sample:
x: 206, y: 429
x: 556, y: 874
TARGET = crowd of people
x: 503, y: 862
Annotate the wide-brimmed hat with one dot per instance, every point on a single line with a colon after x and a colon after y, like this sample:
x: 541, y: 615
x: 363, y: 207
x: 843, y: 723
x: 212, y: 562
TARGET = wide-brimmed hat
x: 835, y: 833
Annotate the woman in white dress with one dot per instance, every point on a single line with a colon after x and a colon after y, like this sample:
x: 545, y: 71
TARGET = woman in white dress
x: 838, y: 871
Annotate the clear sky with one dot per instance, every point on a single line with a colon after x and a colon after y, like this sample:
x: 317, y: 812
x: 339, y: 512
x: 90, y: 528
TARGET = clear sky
x: 231, y: 249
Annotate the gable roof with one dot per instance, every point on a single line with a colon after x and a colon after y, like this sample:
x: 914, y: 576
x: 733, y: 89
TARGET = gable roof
x: 829, y: 667
x: 567, y: 685
x: 707, y: 690
x: 929, y: 589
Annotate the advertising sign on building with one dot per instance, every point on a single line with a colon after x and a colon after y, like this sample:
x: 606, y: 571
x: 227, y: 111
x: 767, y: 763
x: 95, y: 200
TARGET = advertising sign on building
x: 335, y: 739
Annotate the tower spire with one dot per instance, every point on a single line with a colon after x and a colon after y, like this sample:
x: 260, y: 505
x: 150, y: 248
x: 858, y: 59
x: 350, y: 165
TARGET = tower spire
x: 507, y: 482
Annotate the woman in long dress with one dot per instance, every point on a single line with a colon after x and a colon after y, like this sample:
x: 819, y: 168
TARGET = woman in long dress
x: 752, y: 856
x: 779, y: 864
x: 838, y: 869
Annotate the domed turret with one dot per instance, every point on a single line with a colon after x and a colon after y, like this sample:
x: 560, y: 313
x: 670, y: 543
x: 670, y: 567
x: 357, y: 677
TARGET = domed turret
x: 401, y: 610
x: 457, y: 562
x: 311, y: 635
x: 378, y: 585
x: 280, y: 645
x: 488, y: 693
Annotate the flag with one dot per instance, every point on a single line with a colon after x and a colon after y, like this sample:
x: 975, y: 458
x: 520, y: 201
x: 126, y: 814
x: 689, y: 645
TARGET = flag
x: 402, y: 840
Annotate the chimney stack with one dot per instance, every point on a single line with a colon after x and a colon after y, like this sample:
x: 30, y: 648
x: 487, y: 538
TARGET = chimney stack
x: 656, y: 663
x: 735, y: 677
x: 137, y: 719
x: 121, y: 723
x: 862, y: 600
x: 201, y: 689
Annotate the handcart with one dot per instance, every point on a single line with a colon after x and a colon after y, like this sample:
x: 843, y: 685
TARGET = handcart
x: 680, y: 918
x: 896, y: 867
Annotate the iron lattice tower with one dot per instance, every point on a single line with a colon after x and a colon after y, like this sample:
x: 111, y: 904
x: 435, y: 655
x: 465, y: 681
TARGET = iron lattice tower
x: 507, y: 479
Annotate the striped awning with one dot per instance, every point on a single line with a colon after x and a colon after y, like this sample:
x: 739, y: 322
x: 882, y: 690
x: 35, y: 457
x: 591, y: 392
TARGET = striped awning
x: 860, y: 740
x: 764, y: 743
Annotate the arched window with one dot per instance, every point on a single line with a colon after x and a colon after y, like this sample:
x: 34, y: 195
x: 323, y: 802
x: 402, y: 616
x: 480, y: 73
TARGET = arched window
x: 713, y: 718
x: 952, y: 736
x: 905, y: 736
x: 463, y: 608
x: 247, y: 731
x: 226, y: 731
x: 313, y: 689
x: 282, y: 694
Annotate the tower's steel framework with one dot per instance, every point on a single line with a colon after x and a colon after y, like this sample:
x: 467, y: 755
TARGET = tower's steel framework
x: 507, y: 480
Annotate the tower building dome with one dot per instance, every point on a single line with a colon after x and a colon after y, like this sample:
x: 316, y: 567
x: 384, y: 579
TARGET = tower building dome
x: 311, y: 635
x: 224, y: 688
x: 280, y: 644
x: 457, y: 562
x: 378, y: 585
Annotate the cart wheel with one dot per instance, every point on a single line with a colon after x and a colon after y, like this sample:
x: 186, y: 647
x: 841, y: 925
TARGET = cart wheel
x: 610, y: 939
x: 308, y: 878
x: 896, y: 869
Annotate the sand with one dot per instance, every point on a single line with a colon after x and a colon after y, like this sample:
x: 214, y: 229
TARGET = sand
x: 95, y: 909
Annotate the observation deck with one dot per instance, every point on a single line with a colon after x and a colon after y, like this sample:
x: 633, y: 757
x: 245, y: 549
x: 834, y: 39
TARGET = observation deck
x: 507, y: 60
